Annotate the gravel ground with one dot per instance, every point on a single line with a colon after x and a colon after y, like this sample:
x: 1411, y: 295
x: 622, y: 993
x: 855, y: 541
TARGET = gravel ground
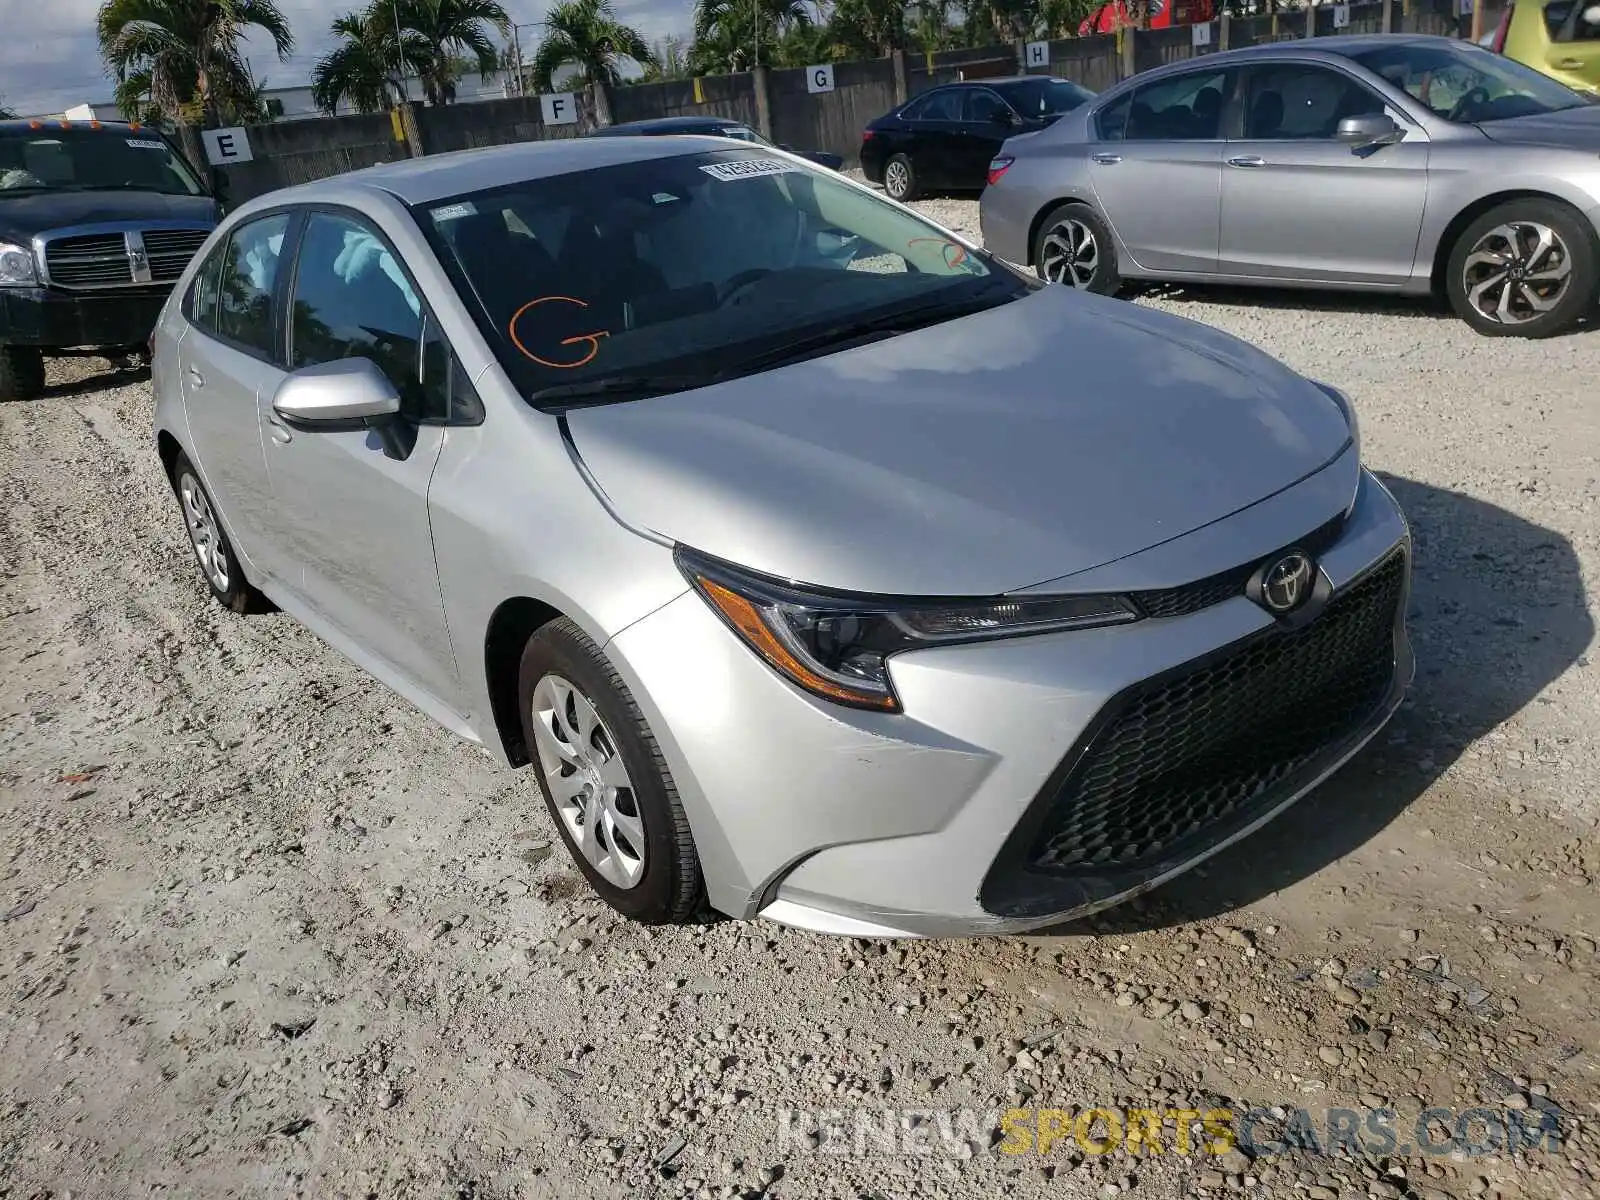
x: 266, y: 931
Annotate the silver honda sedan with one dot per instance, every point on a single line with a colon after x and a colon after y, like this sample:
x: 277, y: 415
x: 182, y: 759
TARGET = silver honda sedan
x: 817, y: 564
x: 1396, y: 163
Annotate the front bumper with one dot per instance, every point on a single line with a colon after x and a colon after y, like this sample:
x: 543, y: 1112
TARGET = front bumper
x: 55, y: 320
x: 929, y: 823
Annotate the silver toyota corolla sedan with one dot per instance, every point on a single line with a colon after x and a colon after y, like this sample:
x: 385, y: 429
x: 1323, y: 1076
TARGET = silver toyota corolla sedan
x: 1395, y: 163
x: 819, y: 565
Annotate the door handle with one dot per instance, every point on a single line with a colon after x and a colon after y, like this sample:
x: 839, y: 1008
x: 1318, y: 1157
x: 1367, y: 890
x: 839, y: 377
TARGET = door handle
x: 1569, y: 64
x: 280, y: 431
x: 196, y: 378
x: 1247, y: 160
x: 1107, y: 158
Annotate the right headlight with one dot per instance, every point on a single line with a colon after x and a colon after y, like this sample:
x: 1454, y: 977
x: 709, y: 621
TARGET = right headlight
x: 837, y: 646
x: 17, y: 267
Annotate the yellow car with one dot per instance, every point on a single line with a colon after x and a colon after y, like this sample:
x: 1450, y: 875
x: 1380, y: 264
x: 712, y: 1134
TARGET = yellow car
x: 1559, y: 37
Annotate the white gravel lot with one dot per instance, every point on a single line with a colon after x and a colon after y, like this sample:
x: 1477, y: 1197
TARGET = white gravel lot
x: 266, y: 931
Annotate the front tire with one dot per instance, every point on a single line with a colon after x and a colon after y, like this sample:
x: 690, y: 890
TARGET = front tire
x: 213, y: 552
x: 1074, y: 247
x: 900, y: 179
x: 21, y: 373
x: 604, y: 779
x: 1526, y: 268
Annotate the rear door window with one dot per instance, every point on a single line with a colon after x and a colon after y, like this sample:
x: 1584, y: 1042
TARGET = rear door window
x: 1572, y: 20
x: 248, y: 282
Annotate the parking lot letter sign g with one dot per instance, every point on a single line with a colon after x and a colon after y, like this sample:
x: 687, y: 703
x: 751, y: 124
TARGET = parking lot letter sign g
x: 559, y: 108
x: 819, y: 79
x: 225, y: 147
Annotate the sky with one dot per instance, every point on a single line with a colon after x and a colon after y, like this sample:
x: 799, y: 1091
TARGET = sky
x: 49, y: 60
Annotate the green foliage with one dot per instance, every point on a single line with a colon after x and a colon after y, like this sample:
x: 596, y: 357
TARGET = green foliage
x: 438, y: 42
x: 181, y: 60
x: 588, y: 35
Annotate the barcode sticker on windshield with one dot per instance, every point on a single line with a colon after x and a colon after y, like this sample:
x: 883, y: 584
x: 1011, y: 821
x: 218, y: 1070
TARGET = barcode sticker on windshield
x: 747, y: 168
x: 145, y: 144
x: 454, y: 212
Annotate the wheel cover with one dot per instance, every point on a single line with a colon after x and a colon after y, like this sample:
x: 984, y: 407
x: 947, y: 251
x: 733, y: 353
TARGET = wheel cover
x: 1517, y: 272
x: 896, y: 179
x: 204, y: 533
x: 1069, y: 254
x: 588, y: 782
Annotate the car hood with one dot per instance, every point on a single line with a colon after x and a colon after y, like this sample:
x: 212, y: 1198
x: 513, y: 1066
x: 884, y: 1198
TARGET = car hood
x: 34, y: 212
x: 986, y: 454
x: 1578, y: 128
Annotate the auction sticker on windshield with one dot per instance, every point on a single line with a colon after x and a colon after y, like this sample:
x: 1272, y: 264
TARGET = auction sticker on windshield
x: 747, y: 168
x: 140, y: 144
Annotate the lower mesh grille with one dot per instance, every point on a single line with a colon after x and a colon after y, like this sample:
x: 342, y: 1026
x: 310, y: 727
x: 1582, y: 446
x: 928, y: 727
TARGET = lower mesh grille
x: 1190, y: 750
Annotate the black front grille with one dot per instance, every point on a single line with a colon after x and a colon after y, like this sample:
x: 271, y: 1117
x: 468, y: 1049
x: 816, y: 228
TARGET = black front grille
x: 90, y: 260
x: 1181, y: 754
x: 1225, y: 585
x: 170, y: 251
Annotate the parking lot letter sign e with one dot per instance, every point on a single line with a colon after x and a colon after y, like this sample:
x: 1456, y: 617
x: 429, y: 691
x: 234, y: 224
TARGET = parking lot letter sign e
x: 1038, y: 54
x: 225, y: 147
x: 559, y: 108
x: 819, y: 79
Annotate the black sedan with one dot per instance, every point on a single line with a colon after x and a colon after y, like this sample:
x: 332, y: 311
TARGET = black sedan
x: 944, y: 139
x: 711, y: 127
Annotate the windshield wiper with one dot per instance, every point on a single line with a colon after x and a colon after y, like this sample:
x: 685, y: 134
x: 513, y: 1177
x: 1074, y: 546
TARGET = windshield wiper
x: 611, y: 389
x: 848, y: 333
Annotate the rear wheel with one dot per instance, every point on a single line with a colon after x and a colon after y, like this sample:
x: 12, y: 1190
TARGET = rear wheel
x: 212, y: 551
x: 21, y: 373
x: 1073, y: 246
x: 900, y: 179
x: 1524, y: 269
x: 605, y: 780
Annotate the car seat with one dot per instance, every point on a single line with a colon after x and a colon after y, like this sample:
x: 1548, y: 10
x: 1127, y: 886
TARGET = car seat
x: 1266, y: 115
x: 1207, y: 112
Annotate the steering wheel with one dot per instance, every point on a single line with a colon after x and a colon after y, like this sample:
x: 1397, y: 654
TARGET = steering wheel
x: 740, y: 283
x: 1473, y: 98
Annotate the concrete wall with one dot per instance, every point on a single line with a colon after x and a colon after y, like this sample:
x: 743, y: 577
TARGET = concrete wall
x: 778, y: 103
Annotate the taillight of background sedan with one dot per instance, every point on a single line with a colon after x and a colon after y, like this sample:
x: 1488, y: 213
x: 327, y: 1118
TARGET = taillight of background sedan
x: 755, y: 515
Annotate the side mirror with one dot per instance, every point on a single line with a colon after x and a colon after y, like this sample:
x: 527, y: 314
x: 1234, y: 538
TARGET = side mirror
x: 1373, y: 129
x: 786, y: 147
x: 346, y: 394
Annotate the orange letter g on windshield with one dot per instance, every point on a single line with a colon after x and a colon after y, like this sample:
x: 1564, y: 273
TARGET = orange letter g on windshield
x: 583, y: 346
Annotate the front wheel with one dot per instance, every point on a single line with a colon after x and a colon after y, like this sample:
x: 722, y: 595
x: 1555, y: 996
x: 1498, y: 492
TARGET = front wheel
x: 604, y: 779
x: 1524, y: 269
x: 1073, y: 246
x: 21, y: 373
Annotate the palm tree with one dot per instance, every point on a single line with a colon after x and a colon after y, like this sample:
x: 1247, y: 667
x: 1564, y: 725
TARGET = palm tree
x: 181, y: 59
x: 362, y: 68
x: 439, y: 33
x: 747, y: 30
x: 869, y: 27
x: 588, y: 34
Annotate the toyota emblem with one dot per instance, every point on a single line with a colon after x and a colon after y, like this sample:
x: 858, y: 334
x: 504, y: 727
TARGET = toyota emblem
x: 1287, y: 583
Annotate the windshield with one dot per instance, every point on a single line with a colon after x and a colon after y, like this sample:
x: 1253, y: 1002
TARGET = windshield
x: 705, y: 264
x: 1468, y: 84
x: 1045, y: 97
x: 74, y: 160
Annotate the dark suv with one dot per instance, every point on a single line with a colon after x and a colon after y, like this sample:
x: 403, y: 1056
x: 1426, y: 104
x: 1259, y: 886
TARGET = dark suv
x: 97, y: 221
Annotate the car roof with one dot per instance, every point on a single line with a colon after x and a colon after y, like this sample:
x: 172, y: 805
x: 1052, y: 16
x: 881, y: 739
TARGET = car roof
x: 34, y: 124
x: 438, y: 176
x: 663, y: 123
x: 1308, y: 49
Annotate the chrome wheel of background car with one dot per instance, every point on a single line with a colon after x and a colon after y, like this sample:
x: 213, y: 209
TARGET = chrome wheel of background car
x: 204, y: 534
x: 1070, y: 254
x: 1517, y: 272
x: 896, y: 179
x: 588, y: 782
